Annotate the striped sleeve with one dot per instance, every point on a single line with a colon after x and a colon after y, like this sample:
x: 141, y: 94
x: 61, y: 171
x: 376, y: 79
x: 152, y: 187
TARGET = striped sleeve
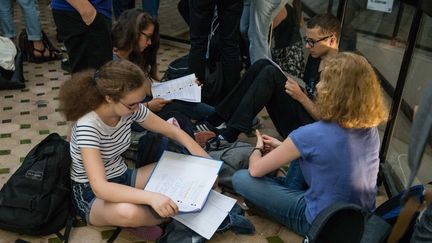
x: 87, y: 137
x: 141, y: 114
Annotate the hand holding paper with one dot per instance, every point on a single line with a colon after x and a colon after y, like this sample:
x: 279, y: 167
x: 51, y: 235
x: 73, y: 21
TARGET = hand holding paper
x: 186, y: 179
x: 184, y: 88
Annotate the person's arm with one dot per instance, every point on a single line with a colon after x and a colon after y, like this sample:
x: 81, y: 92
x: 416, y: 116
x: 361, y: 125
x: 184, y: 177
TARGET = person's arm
x: 260, y: 165
x: 157, y: 104
x: 114, y: 192
x: 293, y: 89
x: 85, y: 9
x: 156, y: 124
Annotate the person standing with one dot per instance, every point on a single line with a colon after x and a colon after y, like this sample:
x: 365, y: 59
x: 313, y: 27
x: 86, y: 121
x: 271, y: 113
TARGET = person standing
x: 86, y: 29
x: 201, y: 15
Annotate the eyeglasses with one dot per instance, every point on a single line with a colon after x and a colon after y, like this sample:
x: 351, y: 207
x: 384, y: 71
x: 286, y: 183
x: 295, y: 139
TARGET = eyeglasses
x: 312, y: 42
x: 148, y: 37
x: 130, y: 107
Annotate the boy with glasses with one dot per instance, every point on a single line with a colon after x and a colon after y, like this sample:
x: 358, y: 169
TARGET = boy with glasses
x: 264, y: 85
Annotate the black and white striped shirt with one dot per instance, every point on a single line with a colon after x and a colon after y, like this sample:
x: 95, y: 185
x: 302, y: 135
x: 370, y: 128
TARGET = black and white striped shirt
x: 91, y: 132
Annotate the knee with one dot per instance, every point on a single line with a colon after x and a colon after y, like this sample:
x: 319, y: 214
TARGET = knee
x: 241, y: 181
x: 127, y: 215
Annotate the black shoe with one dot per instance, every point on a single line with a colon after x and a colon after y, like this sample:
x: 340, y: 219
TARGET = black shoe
x: 256, y: 123
x: 217, y: 143
x: 201, y: 126
x: 65, y: 65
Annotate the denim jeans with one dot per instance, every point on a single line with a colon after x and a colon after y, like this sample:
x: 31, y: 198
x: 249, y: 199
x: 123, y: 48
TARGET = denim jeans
x: 263, y: 85
x: 280, y: 198
x: 195, y: 111
x: 201, y: 15
x: 31, y: 17
x: 262, y: 13
x: 83, y: 196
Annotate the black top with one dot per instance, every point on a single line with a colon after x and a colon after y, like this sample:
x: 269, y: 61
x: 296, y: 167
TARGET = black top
x: 287, y: 32
x: 311, y: 76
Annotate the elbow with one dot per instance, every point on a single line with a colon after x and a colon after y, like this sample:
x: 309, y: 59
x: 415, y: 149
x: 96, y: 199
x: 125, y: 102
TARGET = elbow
x: 98, y: 190
x: 254, y: 172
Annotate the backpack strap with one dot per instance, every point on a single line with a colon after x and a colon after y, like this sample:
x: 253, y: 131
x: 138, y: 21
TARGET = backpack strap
x: 114, y: 235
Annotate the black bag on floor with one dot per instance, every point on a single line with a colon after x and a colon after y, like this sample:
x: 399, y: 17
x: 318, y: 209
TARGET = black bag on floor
x: 36, y: 198
x: 13, y: 79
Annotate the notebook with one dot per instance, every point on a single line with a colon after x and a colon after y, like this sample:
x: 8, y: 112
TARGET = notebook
x: 186, y: 179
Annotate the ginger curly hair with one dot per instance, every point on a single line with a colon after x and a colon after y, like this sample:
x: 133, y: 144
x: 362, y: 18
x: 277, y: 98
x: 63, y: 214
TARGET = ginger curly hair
x: 349, y: 92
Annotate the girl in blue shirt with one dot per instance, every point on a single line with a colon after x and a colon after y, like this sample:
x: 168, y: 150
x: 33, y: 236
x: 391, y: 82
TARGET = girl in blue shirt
x: 332, y: 160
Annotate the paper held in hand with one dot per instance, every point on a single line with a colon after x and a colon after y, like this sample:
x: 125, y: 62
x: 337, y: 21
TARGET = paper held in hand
x: 186, y: 179
x: 184, y: 88
x: 211, y: 216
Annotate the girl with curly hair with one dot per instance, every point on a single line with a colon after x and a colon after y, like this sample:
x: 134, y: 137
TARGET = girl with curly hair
x: 103, y: 105
x: 332, y: 160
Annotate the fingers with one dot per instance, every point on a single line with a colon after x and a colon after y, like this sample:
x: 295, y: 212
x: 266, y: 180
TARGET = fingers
x: 258, y: 134
x: 167, y: 209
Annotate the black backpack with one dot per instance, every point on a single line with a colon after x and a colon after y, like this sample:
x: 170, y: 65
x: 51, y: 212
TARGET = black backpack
x: 345, y: 222
x: 36, y: 199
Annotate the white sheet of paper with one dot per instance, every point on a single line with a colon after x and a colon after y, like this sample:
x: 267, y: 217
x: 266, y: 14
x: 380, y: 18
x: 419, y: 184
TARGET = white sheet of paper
x: 206, y: 222
x: 184, y: 88
x: 380, y: 5
x: 186, y: 179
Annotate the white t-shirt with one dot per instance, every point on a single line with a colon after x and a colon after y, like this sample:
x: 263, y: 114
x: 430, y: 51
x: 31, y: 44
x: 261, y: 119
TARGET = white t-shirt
x: 91, y: 132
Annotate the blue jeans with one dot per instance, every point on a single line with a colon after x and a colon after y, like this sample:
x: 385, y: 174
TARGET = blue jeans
x: 262, y: 13
x: 195, y: 111
x: 279, y: 198
x: 31, y: 17
x: 83, y: 196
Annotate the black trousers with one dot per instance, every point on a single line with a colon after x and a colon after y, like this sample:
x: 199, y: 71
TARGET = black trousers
x: 87, y: 46
x: 263, y: 85
x: 201, y: 13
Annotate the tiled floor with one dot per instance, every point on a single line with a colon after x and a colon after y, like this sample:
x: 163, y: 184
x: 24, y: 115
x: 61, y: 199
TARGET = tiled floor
x: 28, y: 115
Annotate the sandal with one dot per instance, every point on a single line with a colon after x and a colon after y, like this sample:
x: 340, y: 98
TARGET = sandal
x: 42, y: 58
x: 28, y: 49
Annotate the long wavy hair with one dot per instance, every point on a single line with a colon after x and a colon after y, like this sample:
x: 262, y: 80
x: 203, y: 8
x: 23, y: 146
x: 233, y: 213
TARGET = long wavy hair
x: 349, y: 92
x: 86, y: 90
x: 126, y: 34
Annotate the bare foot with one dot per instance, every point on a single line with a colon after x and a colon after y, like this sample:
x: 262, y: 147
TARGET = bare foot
x: 38, y: 45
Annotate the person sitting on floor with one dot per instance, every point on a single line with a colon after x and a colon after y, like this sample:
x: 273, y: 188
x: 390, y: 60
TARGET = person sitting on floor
x: 264, y: 85
x: 136, y: 38
x: 333, y: 160
x: 103, y: 104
